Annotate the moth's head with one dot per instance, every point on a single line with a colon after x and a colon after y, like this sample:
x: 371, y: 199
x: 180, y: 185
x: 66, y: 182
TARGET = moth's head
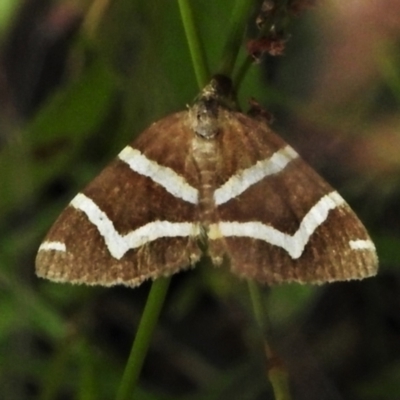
x: 205, y: 114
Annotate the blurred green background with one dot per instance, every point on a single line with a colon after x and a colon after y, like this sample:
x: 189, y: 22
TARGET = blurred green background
x: 78, y: 80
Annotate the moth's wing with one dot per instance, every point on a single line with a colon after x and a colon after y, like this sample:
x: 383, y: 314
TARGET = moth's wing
x: 306, y: 232
x: 126, y: 227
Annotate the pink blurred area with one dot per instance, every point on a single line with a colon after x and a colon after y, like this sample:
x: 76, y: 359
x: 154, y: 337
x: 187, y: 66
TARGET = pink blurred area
x: 357, y: 35
x: 353, y: 116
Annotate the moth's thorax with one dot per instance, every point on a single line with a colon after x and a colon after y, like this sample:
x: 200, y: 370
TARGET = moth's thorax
x: 204, y: 118
x: 205, y: 155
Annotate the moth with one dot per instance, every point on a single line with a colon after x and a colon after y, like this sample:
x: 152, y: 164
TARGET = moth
x: 208, y: 181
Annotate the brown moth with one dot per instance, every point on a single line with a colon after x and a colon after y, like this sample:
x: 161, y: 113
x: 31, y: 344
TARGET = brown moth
x: 207, y: 181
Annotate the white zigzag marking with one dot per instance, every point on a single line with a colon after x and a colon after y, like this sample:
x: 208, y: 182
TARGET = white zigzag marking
x: 242, y: 180
x: 164, y: 176
x: 295, y: 244
x: 118, y: 244
x: 177, y: 185
x: 362, y: 245
x: 56, y: 246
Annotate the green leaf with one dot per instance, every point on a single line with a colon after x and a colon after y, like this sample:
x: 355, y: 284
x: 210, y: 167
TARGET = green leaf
x: 54, y: 135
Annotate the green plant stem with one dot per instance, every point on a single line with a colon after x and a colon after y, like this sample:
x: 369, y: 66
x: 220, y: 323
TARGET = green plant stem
x: 54, y: 377
x: 88, y: 385
x: 242, y: 71
x: 276, y: 371
x: 196, y: 47
x: 144, y: 333
x: 239, y: 18
x: 259, y: 309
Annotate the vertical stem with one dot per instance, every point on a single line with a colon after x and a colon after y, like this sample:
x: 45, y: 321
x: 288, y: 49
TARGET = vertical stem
x: 276, y: 370
x: 242, y: 71
x: 53, y: 378
x: 88, y: 387
x: 143, y: 337
x: 196, y: 47
x: 234, y: 40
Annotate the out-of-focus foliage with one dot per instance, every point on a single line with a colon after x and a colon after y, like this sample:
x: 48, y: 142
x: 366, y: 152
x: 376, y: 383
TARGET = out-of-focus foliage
x: 80, y: 79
